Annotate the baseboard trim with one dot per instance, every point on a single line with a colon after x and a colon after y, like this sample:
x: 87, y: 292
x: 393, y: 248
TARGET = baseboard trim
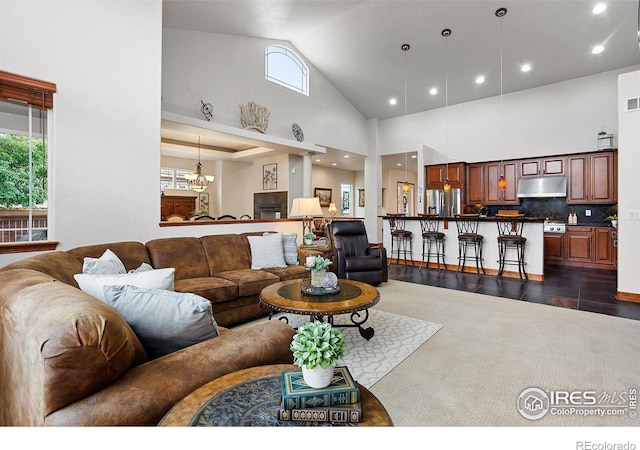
x: 628, y: 296
x: 466, y: 269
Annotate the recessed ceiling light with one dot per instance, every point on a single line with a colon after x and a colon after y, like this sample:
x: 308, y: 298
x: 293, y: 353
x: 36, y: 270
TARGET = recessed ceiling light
x: 599, y: 8
x: 597, y: 49
x: 525, y: 67
x: 480, y: 79
x: 318, y: 160
x: 334, y: 164
x: 433, y: 91
x: 393, y: 101
x: 414, y: 156
x: 346, y: 156
x: 398, y: 164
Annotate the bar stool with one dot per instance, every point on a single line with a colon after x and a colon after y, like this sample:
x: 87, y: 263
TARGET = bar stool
x: 468, y: 238
x: 510, y: 237
x: 432, y: 239
x: 400, y: 237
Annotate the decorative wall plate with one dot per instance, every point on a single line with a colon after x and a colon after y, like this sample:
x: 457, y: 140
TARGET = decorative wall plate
x: 297, y: 132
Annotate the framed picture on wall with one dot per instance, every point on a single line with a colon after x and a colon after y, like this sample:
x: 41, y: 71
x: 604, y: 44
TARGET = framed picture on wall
x: 345, y: 200
x: 361, y: 198
x: 270, y: 176
x: 203, y: 203
x: 324, y: 195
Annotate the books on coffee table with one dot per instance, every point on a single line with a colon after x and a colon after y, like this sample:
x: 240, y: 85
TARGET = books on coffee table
x: 338, y: 402
x: 349, y: 413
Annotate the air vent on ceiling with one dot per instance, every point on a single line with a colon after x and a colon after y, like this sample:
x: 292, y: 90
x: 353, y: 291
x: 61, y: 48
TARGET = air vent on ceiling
x: 633, y: 104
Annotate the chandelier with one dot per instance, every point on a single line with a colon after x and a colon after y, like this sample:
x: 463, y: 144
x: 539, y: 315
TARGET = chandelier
x: 197, y: 181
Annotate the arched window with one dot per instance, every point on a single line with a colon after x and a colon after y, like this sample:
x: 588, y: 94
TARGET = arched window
x: 282, y: 66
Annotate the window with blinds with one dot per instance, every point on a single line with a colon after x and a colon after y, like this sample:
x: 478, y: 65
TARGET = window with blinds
x: 24, y: 162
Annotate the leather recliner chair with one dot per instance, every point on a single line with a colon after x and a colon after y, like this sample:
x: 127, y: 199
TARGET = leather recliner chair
x: 355, y: 258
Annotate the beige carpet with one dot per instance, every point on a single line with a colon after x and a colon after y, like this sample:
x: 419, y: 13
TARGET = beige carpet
x: 490, y: 349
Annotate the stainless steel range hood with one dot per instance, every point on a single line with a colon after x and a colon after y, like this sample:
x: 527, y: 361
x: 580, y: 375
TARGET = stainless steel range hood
x: 551, y: 186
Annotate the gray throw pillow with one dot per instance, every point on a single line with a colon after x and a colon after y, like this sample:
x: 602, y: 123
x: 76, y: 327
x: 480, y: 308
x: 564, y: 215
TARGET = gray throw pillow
x: 290, y: 248
x: 164, y: 321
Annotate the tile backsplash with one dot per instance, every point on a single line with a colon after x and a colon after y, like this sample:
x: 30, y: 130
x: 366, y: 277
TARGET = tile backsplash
x: 557, y: 209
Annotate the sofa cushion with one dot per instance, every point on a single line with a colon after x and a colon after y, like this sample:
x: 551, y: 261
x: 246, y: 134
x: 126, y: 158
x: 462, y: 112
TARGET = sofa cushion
x: 290, y: 247
x: 152, y: 279
x: 60, y: 265
x: 288, y: 273
x: 226, y: 252
x: 108, y: 263
x: 131, y: 253
x: 214, y: 289
x: 250, y: 282
x: 164, y: 321
x: 184, y: 254
x: 267, y: 251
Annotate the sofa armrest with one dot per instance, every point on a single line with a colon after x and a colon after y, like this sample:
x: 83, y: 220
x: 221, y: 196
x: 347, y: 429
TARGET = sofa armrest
x: 146, y: 393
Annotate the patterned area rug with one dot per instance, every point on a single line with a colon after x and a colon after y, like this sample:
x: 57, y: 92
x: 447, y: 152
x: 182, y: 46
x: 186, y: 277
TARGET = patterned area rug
x: 395, y: 338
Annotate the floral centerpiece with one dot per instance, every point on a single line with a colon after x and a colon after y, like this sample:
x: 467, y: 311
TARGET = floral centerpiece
x: 318, y: 267
x: 614, y: 220
x: 316, y: 347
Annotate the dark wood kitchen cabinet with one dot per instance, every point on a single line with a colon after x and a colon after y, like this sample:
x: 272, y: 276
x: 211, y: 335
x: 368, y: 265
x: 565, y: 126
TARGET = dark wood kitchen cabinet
x: 579, y: 244
x: 482, y: 183
x: 553, y: 246
x: 540, y: 167
x: 184, y: 206
x: 437, y: 174
x: 582, y: 246
x: 591, y: 178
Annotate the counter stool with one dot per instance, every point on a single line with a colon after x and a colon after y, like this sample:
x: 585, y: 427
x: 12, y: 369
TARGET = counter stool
x: 400, y: 237
x: 432, y: 239
x: 468, y: 238
x: 510, y: 237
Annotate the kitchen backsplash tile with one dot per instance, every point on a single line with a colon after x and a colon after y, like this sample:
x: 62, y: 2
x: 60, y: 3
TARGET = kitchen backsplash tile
x: 557, y: 209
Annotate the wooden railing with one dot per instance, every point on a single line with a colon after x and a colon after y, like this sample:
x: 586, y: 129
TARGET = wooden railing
x: 14, y: 225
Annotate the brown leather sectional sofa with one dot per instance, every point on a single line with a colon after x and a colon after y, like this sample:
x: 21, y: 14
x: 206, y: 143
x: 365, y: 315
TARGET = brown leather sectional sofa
x: 69, y: 359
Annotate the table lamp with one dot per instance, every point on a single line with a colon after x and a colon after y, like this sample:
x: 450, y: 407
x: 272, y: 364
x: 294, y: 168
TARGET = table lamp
x: 306, y: 207
x: 332, y: 210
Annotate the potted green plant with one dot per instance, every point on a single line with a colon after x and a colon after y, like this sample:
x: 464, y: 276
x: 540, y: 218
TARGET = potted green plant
x: 316, y: 347
x: 614, y: 220
x: 308, y: 238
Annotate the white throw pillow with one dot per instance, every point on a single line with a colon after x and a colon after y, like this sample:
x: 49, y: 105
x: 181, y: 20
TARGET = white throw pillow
x: 266, y: 251
x: 290, y: 248
x: 143, y: 268
x: 108, y: 263
x: 164, y: 321
x: 153, y: 279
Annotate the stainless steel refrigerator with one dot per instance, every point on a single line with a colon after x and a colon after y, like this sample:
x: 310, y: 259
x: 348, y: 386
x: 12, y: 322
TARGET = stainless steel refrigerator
x: 445, y: 204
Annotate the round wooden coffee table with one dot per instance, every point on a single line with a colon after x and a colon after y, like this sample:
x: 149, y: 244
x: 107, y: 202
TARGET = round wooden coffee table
x: 354, y: 298
x: 250, y: 397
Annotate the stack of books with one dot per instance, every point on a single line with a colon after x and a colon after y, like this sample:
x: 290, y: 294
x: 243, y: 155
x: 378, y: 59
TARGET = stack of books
x: 337, y: 403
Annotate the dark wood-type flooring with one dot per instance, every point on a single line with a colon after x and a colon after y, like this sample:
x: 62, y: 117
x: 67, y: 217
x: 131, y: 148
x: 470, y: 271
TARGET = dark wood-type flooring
x: 568, y: 287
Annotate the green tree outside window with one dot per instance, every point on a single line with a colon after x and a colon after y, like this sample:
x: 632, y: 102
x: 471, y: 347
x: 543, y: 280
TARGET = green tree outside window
x: 14, y: 171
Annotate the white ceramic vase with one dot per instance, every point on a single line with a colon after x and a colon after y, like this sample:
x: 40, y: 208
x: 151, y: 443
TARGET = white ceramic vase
x: 614, y: 223
x: 318, y: 377
x: 316, y: 277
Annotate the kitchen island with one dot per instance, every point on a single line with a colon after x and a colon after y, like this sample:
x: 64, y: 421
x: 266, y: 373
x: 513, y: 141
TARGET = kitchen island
x: 534, y: 251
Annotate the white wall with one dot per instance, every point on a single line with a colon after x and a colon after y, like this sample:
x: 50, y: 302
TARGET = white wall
x: 628, y: 199
x: 228, y: 71
x: 554, y: 119
x: 105, y: 58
